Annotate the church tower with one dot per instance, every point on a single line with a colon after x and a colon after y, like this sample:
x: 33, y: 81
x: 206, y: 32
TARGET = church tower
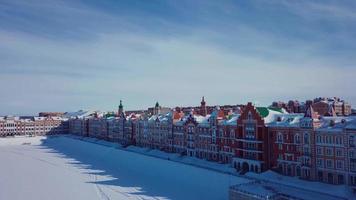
x: 121, y: 109
x: 203, y: 109
x: 157, y: 109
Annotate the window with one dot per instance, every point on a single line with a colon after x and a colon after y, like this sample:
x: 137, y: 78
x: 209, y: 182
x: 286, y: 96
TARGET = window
x: 319, y: 151
x: 297, y: 138
x: 319, y: 163
x: 353, y: 165
x: 250, y: 130
x: 280, y: 146
x: 351, y: 141
x: 306, y: 150
x: 339, y: 152
x: 339, y: 164
x: 249, y: 116
x: 280, y: 138
x: 232, y: 133
x: 280, y: 156
x: 306, y: 138
x: 329, y: 163
x: 338, y: 140
x: 329, y: 151
x: 221, y: 133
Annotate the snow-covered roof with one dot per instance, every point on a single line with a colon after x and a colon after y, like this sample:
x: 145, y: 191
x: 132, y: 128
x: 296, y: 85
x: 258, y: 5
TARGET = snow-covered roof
x: 231, y: 121
x: 202, y: 120
x: 160, y: 117
x: 269, y: 114
x: 333, y: 124
x: 285, y: 120
x: 79, y: 114
x: 29, y: 118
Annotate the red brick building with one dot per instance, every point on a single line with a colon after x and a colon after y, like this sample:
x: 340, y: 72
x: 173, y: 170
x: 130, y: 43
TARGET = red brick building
x: 251, y: 141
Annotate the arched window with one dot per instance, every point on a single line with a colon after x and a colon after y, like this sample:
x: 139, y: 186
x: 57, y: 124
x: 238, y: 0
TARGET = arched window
x: 297, y: 139
x: 306, y: 138
x: 280, y: 137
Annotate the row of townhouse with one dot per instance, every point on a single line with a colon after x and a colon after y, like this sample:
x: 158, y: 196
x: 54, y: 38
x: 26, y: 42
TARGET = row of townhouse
x: 314, y: 147
x: 11, y: 126
x: 255, y: 139
x: 115, y: 128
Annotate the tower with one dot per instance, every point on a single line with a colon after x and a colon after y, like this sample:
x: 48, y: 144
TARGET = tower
x: 121, y: 109
x: 203, y: 110
x: 156, y: 109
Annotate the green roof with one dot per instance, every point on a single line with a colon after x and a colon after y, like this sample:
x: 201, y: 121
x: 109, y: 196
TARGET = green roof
x: 264, y: 111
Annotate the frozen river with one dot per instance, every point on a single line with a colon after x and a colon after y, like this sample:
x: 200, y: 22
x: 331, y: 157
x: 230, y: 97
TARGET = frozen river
x: 65, y: 168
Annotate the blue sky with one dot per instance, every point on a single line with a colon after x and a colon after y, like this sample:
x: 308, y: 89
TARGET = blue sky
x: 68, y: 55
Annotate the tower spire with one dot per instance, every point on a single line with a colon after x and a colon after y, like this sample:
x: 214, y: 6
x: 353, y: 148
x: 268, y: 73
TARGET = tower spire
x: 202, y: 101
x: 156, y: 109
x: 121, y: 108
x: 203, y: 110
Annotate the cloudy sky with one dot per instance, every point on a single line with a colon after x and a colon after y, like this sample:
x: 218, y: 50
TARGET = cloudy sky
x: 68, y: 55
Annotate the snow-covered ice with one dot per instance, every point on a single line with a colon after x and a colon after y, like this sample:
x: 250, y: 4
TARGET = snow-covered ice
x: 65, y: 168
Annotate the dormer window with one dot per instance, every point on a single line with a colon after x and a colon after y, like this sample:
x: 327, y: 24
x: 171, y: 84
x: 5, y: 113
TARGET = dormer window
x: 332, y: 123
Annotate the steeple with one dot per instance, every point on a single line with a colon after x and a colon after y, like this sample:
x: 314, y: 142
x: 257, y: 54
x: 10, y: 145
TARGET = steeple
x: 121, y: 108
x: 203, y: 110
x: 202, y: 103
x: 157, y: 109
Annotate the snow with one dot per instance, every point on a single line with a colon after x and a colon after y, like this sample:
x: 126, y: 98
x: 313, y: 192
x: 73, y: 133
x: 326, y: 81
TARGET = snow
x: 71, y: 167
x: 62, y: 167
x: 79, y: 114
x: 232, y: 121
x: 286, y: 120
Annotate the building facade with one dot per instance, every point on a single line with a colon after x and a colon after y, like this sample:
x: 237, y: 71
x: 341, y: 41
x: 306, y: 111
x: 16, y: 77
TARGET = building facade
x: 250, y: 139
x: 11, y: 126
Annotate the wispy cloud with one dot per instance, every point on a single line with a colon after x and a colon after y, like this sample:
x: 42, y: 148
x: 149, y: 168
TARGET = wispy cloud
x: 61, y: 55
x: 327, y: 10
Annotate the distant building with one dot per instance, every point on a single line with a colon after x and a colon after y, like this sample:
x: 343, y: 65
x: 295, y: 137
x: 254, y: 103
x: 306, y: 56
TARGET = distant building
x: 10, y: 126
x: 322, y: 105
